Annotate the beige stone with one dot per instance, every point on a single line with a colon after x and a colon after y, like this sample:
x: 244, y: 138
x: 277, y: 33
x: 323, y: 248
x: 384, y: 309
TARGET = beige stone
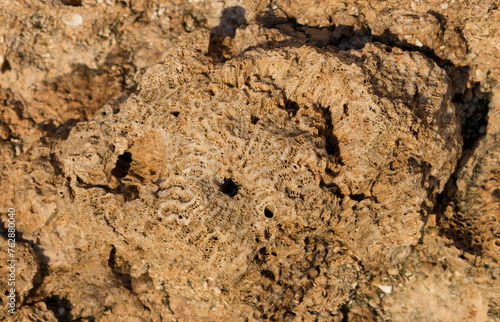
x: 275, y: 170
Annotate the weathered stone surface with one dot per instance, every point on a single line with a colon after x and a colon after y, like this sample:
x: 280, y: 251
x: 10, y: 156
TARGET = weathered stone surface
x: 477, y: 196
x: 462, y: 32
x: 469, y: 223
x: 276, y: 175
x: 271, y: 171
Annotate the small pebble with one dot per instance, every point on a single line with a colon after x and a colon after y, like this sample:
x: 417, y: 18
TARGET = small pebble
x: 61, y: 311
x: 393, y: 271
x: 73, y: 20
x: 387, y: 289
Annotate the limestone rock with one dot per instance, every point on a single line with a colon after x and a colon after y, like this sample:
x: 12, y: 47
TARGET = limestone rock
x: 463, y: 33
x: 258, y: 187
x: 469, y: 224
x: 20, y: 274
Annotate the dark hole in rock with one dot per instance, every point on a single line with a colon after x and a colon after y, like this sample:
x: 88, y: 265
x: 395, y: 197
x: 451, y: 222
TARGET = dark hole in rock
x: 122, y: 165
x: 5, y: 66
x: 268, y: 213
x: 291, y: 107
x: 414, y: 166
x: 254, y: 119
x: 61, y: 308
x: 75, y: 3
x: 346, y: 110
x: 358, y: 197
x: 268, y: 274
x: 131, y: 192
x: 332, y: 145
x: 175, y: 113
x: 229, y: 187
x: 345, y: 313
x: 119, y: 273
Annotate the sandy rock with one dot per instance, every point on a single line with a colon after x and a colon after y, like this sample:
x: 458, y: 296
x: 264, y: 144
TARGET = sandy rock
x: 470, y: 225
x: 285, y: 168
x: 463, y: 33
x: 273, y: 170
x: 20, y: 273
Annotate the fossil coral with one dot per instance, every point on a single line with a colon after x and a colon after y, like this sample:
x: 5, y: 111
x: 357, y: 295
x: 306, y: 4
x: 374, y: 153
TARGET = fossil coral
x: 286, y: 161
x: 279, y: 174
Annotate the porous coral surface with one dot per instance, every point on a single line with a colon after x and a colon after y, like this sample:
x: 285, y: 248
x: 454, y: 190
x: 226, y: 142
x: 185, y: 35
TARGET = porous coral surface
x: 293, y: 163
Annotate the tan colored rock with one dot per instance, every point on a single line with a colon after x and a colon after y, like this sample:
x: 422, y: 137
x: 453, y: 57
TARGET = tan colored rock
x: 470, y: 227
x: 462, y: 32
x: 247, y: 188
x: 37, y: 312
x: 20, y: 273
x: 60, y: 63
x: 343, y: 141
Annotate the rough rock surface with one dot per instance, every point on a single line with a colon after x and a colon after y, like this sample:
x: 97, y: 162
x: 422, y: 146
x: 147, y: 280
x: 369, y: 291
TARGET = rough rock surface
x: 281, y: 168
x: 282, y: 163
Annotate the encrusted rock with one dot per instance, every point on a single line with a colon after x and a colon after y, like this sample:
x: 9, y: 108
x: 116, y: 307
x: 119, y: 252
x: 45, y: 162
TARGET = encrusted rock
x: 262, y: 186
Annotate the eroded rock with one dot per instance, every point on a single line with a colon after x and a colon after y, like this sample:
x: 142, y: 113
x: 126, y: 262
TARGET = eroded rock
x: 259, y: 187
